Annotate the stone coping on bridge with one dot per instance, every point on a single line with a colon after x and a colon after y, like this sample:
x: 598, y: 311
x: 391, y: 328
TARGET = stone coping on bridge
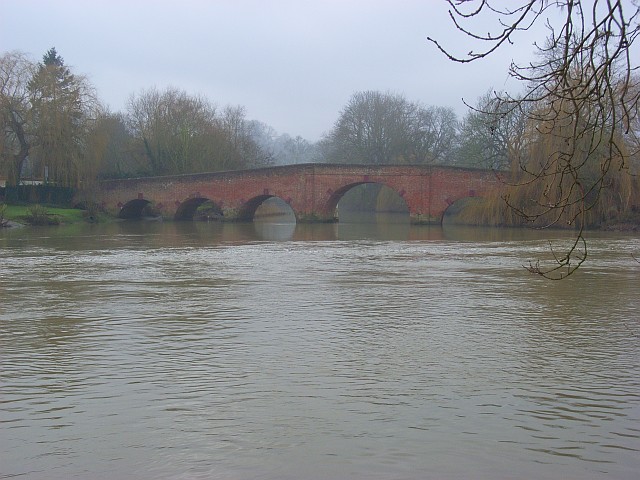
x: 304, y: 166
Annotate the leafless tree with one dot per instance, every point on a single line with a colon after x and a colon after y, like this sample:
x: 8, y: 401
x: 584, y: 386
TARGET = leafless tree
x: 385, y: 128
x: 240, y: 148
x: 434, y: 134
x: 582, y: 94
x: 491, y: 135
x: 16, y: 70
x: 181, y: 133
x: 173, y: 128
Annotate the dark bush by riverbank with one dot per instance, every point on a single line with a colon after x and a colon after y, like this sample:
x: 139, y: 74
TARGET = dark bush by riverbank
x: 37, y: 194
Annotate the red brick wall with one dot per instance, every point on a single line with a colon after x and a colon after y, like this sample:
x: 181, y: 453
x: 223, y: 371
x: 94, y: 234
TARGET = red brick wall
x: 312, y: 190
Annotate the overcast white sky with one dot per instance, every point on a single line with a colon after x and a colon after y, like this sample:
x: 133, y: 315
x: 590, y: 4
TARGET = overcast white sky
x: 293, y: 64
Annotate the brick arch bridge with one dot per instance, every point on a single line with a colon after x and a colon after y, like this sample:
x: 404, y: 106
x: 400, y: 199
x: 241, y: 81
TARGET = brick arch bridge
x: 311, y: 190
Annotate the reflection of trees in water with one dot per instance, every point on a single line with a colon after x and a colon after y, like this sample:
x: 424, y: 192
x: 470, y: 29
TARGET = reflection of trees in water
x: 207, y: 211
x: 464, y: 212
x: 275, y: 207
x: 372, y: 197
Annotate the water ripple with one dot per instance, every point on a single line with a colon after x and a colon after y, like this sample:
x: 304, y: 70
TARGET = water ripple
x: 387, y: 359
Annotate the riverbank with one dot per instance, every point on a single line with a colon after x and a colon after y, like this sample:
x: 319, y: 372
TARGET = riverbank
x: 42, y: 215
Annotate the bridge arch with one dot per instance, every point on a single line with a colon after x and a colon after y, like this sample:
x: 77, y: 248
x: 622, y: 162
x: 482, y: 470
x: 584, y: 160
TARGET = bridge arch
x: 247, y: 211
x: 458, y: 210
x: 137, y: 208
x: 340, y: 193
x: 187, y: 209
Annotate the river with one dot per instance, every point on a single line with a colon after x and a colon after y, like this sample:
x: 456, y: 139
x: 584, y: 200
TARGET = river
x: 272, y: 351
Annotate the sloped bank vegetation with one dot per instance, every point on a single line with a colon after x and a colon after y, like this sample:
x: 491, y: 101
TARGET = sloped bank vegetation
x: 46, y: 215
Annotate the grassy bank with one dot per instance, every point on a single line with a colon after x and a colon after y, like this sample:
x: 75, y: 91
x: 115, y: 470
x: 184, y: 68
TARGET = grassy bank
x: 46, y: 215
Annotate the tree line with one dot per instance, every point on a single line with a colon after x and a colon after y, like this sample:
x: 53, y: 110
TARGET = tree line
x: 570, y: 141
x: 54, y: 128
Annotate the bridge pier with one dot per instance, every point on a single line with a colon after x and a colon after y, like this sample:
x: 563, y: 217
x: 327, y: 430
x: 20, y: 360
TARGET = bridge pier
x: 315, y: 218
x: 231, y: 214
x: 421, y: 219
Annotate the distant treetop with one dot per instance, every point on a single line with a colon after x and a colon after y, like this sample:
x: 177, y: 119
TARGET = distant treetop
x: 51, y: 58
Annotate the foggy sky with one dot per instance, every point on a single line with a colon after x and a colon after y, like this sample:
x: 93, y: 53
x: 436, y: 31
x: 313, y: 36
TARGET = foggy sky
x: 293, y: 64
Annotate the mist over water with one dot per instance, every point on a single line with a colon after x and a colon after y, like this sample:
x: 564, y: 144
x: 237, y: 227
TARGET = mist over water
x: 280, y: 351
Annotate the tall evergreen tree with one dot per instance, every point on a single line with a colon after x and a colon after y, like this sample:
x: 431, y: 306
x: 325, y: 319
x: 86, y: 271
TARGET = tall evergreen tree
x: 58, y: 120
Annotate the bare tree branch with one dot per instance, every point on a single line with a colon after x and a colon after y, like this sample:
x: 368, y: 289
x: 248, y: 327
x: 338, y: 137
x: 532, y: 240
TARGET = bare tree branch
x: 580, y: 103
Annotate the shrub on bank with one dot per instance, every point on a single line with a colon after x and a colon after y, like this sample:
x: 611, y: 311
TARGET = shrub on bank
x: 4, y: 222
x: 38, y: 215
